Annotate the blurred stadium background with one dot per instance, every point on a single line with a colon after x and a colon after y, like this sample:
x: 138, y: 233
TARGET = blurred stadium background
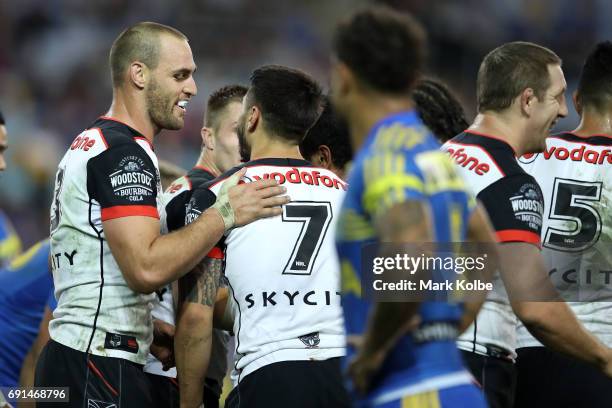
x: 54, y: 79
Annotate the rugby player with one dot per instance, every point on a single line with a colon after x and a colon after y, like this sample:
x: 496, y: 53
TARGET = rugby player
x: 106, y: 249
x: 402, y: 190
x: 36, y: 265
x: 327, y: 144
x: 520, y: 91
x: 218, y: 154
x: 10, y: 244
x: 282, y: 272
x: 575, y: 174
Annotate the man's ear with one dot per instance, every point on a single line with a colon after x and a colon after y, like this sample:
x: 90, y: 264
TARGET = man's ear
x: 323, y: 157
x: 527, y: 100
x: 208, y: 139
x: 343, y: 78
x: 254, y: 118
x: 577, y: 103
x: 139, y: 74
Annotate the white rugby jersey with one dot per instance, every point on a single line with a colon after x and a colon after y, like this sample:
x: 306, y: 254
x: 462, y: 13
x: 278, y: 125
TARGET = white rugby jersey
x: 109, y: 171
x: 283, y: 272
x: 172, y: 217
x: 514, y: 203
x: 575, y: 174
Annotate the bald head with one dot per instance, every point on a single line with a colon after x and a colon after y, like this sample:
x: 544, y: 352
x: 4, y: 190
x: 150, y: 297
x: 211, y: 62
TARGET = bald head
x: 140, y: 42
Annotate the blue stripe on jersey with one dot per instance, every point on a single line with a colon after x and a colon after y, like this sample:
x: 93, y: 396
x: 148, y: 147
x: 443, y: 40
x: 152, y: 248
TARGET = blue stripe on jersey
x: 400, y: 161
x: 24, y: 291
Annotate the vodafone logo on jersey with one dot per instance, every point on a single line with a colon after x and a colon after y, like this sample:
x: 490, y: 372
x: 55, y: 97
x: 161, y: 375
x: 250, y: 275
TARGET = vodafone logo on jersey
x: 82, y: 142
x: 472, y: 163
x: 578, y: 154
x: 310, y: 177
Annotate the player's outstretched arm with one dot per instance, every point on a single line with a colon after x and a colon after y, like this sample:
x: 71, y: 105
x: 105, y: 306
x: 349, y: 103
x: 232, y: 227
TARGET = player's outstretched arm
x: 406, y: 222
x: 149, y: 260
x: 193, y: 339
x: 553, y: 323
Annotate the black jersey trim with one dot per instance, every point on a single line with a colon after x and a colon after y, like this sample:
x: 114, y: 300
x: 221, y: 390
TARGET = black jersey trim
x: 593, y: 140
x: 95, y: 322
x: 488, y: 136
x: 111, y: 119
x: 115, y: 132
x: 199, y: 175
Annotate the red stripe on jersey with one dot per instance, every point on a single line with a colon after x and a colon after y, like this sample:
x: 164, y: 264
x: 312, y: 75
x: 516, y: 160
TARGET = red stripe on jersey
x: 102, y: 136
x: 518, y: 236
x: 215, y: 253
x: 146, y: 140
x: 120, y: 211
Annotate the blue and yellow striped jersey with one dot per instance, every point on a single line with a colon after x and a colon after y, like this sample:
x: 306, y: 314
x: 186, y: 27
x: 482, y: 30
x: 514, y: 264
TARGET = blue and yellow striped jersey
x: 399, y: 161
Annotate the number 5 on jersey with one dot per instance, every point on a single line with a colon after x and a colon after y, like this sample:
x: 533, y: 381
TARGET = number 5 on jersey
x: 315, y: 218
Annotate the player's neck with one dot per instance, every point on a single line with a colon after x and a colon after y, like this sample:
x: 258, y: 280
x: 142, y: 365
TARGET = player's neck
x: 594, y: 123
x: 133, y: 113
x: 273, y: 147
x: 501, y: 127
x: 206, y: 161
x: 370, y: 111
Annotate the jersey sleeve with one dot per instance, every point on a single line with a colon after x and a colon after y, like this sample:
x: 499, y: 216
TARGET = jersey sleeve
x: 174, y: 211
x: 515, y: 206
x: 123, y: 179
x: 201, y: 199
x: 389, y: 178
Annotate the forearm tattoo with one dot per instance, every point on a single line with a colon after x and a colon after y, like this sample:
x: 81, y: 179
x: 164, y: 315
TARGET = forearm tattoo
x: 200, y: 285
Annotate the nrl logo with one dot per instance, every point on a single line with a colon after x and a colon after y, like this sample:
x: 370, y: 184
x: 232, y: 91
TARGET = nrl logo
x: 115, y: 341
x: 311, y: 340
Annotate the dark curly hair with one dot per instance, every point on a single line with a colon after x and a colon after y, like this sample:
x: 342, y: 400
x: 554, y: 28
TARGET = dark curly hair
x: 439, y: 109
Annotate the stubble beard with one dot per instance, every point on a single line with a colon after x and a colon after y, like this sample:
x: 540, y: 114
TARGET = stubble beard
x: 160, y: 109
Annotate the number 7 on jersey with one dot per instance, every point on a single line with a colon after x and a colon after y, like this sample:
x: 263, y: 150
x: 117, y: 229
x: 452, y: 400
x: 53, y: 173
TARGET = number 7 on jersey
x: 315, y: 218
